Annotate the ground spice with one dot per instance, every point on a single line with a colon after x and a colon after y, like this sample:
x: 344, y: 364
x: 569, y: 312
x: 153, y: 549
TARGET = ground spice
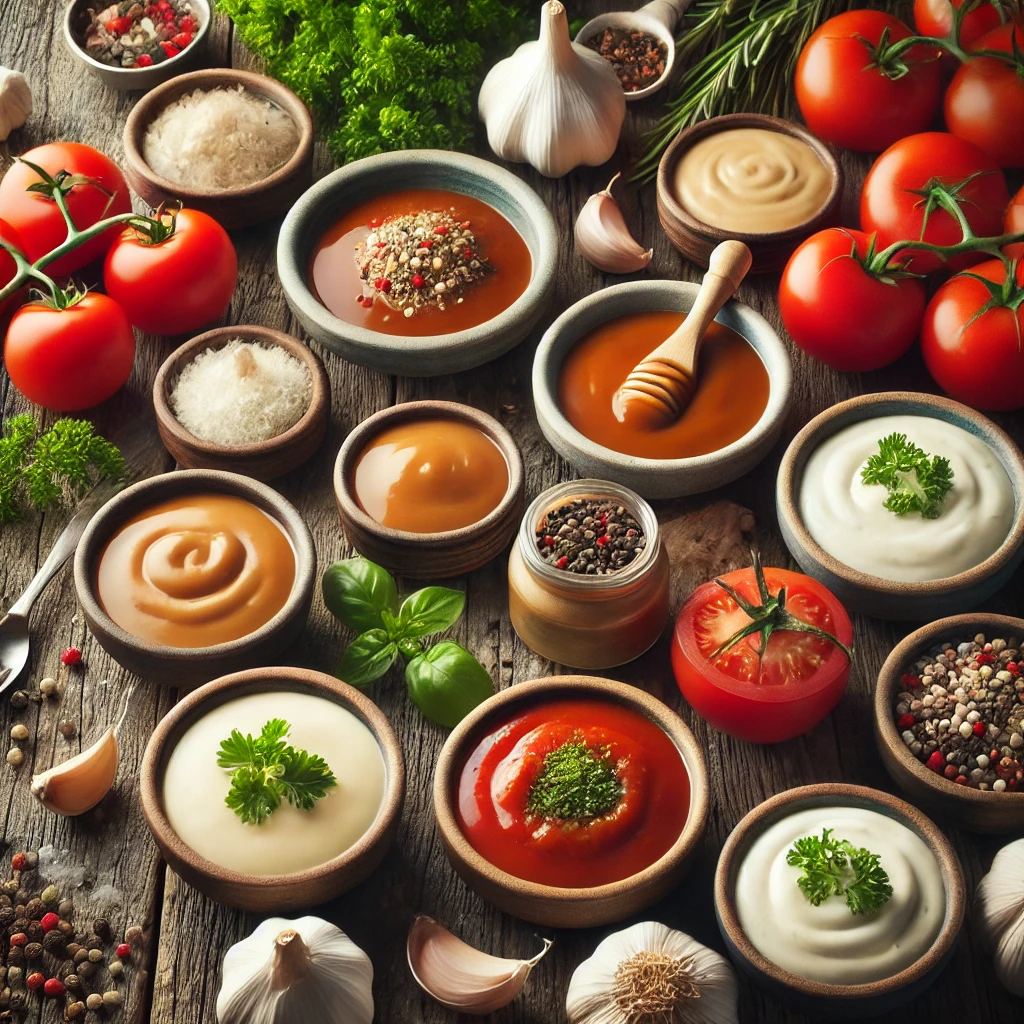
x: 590, y: 536
x: 638, y: 58
x: 961, y: 712
x: 134, y: 35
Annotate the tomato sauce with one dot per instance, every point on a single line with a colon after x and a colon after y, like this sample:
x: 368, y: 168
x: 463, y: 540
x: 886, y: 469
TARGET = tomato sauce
x: 335, y: 281
x: 495, y: 782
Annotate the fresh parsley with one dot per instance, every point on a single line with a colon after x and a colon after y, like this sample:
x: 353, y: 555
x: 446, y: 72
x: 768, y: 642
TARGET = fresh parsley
x: 266, y: 769
x: 835, y: 867
x: 916, y: 481
x: 575, y: 782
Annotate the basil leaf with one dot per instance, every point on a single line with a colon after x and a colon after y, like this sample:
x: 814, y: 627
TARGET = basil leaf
x: 447, y: 682
x: 409, y: 648
x: 357, y: 590
x: 367, y: 658
x: 392, y: 625
x: 430, y: 610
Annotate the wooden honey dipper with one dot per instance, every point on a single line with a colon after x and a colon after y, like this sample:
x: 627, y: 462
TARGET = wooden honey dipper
x: 658, y: 390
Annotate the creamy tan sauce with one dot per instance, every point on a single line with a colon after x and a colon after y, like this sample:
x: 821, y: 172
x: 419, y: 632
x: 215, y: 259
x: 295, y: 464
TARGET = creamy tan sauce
x: 290, y: 839
x: 752, y: 180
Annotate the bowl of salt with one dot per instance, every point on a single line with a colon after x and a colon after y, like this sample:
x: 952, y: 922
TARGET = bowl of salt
x: 247, y: 400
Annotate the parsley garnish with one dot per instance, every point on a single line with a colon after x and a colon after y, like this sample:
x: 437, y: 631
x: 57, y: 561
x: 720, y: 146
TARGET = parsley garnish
x: 266, y: 769
x: 916, y: 481
x: 575, y: 782
x: 835, y: 867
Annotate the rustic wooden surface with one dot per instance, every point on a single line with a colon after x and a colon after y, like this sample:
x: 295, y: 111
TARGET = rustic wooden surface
x: 108, y: 858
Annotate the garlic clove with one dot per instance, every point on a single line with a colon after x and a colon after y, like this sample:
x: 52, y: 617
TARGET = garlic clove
x: 603, y: 238
x: 78, y: 785
x: 15, y: 101
x: 458, y: 975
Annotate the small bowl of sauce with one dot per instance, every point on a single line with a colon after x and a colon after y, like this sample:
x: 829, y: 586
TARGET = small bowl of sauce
x: 431, y: 489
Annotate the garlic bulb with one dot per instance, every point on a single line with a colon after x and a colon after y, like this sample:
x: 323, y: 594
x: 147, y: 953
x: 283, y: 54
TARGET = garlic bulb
x: 649, y: 972
x: 603, y: 238
x: 553, y: 103
x: 296, y: 972
x: 15, y: 101
x: 999, y: 909
x: 461, y: 977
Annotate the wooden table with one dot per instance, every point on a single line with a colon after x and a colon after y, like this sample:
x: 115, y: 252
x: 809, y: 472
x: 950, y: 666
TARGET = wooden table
x: 108, y: 857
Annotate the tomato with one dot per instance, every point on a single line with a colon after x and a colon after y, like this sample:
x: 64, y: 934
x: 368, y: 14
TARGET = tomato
x: 839, y: 313
x: 978, y: 360
x: 8, y: 268
x: 37, y: 218
x: 797, y: 682
x: 178, y: 285
x: 1014, y: 224
x: 847, y: 99
x: 73, y: 358
x: 985, y: 101
x: 892, y: 208
x: 935, y: 18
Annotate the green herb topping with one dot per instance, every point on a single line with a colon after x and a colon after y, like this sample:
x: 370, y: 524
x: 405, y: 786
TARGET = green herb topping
x: 916, y: 481
x: 835, y: 867
x: 266, y: 770
x: 575, y: 782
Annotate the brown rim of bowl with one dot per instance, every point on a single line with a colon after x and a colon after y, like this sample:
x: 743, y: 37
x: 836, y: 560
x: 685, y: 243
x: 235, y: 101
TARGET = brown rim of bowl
x: 537, y: 691
x: 107, y: 520
x: 362, y: 434
x: 173, y: 725
x: 167, y: 92
x: 787, y: 493
x: 725, y: 122
x: 174, y: 364
x: 953, y: 883
x: 898, y: 662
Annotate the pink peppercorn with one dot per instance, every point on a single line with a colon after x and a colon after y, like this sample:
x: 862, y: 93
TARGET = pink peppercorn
x: 71, y: 656
x: 35, y: 980
x: 124, y: 951
x: 936, y: 762
x: 49, y: 922
x: 19, y: 939
x: 53, y: 987
x: 979, y: 728
x: 906, y: 721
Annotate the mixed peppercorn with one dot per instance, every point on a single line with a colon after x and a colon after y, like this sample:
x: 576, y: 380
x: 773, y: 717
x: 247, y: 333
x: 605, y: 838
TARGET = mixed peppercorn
x: 638, y: 58
x: 961, y: 713
x: 135, y: 35
x: 590, y: 536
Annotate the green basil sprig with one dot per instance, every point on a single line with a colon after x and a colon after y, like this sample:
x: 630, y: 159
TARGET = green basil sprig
x: 445, y: 681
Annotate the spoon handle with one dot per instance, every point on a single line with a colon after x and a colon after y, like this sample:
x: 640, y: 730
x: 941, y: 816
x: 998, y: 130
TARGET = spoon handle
x: 668, y: 12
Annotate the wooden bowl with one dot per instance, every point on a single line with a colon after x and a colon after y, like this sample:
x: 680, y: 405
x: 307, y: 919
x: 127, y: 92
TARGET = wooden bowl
x: 770, y: 249
x: 978, y: 810
x: 429, y: 555
x: 548, y: 905
x: 267, y: 893
x: 237, y: 207
x: 873, y: 595
x: 183, y: 666
x: 263, y: 460
x: 815, y: 998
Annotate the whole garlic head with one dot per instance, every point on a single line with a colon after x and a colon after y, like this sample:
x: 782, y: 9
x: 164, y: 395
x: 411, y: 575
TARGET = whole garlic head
x: 15, y: 101
x: 650, y: 972
x: 999, y: 909
x: 553, y: 104
x: 296, y: 972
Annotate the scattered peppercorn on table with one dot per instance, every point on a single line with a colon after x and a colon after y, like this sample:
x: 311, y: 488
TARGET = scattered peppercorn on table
x: 167, y: 940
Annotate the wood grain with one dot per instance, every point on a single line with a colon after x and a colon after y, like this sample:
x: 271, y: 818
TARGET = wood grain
x: 175, y: 978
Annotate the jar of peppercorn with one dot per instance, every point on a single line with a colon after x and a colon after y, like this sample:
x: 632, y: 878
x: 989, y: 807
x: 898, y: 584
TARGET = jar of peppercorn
x: 588, y: 575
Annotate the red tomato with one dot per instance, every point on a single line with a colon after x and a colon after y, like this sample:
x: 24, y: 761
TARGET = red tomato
x: 37, y: 218
x: 985, y: 101
x: 178, y: 285
x: 794, y: 686
x: 935, y: 18
x: 1014, y: 224
x: 848, y: 100
x: 978, y: 360
x: 839, y: 313
x: 72, y: 358
x: 8, y: 267
x: 891, y: 207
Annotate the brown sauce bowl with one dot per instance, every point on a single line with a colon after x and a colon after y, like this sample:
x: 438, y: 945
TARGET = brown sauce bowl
x: 445, y: 553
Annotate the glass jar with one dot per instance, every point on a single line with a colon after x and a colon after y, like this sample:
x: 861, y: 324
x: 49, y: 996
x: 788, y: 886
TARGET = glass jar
x: 588, y: 621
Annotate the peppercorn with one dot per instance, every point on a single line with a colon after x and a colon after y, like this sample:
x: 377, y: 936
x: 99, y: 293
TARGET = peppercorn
x: 73, y: 948
x: 49, y: 921
x: 19, y: 700
x: 95, y: 955
x: 15, y: 757
x: 102, y: 928
x: 18, y: 862
x: 115, y: 968
x: 50, y: 895
x: 133, y: 936
x: 48, y: 687
x: 16, y: 956
x: 124, y: 951
x: 35, y: 908
x: 53, y: 942
x: 71, y: 656
x: 18, y: 1000
x: 73, y: 982
x: 15, y: 975
x: 65, y: 927
x: 94, y: 1001
x: 19, y: 732
x: 93, y: 942
x: 35, y: 931
x: 75, y: 1010
x: 112, y: 998
x: 10, y: 887
x: 35, y: 980
x: 34, y: 950
x: 81, y: 956
x: 68, y: 729
x: 31, y: 859
x: 85, y: 970
x: 19, y: 939
x: 53, y: 987
x: 7, y: 916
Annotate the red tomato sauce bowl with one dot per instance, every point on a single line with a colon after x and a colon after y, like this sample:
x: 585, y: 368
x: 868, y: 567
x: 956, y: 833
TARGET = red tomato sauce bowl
x: 611, y: 858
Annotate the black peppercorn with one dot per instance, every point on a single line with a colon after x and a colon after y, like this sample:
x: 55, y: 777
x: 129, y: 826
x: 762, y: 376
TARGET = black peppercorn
x: 5, y: 900
x: 93, y: 942
x: 10, y: 887
x: 34, y: 931
x: 72, y: 982
x: 66, y: 928
x: 20, y: 923
x: 19, y: 700
x: 7, y: 917
x: 16, y: 956
x: 86, y: 970
x: 81, y: 956
x: 66, y: 909
x: 22, y: 897
x: 53, y: 942
x: 34, y: 950
x: 35, y: 908
x: 102, y: 928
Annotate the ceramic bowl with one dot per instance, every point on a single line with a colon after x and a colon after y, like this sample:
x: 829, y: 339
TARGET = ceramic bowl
x: 770, y: 249
x: 263, y: 460
x: 182, y: 666
x: 548, y: 905
x: 269, y: 893
x: 817, y: 999
x: 76, y: 21
x: 980, y: 811
x: 657, y: 478
x: 872, y: 595
x: 429, y: 555
x: 426, y: 356
x: 236, y: 207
